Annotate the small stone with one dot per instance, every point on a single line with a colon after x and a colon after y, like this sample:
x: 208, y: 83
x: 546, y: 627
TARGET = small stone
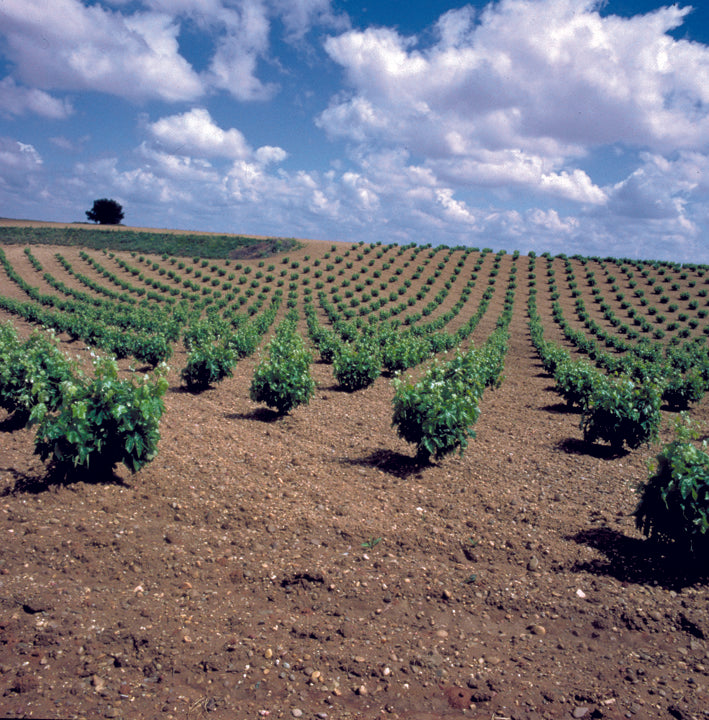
x: 315, y: 676
x: 360, y: 659
x: 296, y: 712
x: 362, y: 690
x: 443, y: 634
x: 447, y: 595
x: 538, y: 630
x: 580, y: 712
x: 99, y: 683
x: 533, y: 564
x: 655, y: 615
x: 268, y: 654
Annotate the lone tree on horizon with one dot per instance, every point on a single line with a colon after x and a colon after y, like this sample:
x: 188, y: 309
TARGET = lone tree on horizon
x: 105, y: 212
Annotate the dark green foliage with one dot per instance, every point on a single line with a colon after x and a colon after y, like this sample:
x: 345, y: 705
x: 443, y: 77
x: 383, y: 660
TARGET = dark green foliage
x: 622, y: 412
x: 575, y: 380
x: 105, y: 212
x: 437, y: 413
x: 680, y: 390
x: 402, y: 350
x: 152, y: 349
x: 674, y: 502
x: 184, y: 245
x: 31, y: 372
x: 102, y: 421
x: 283, y: 380
x: 327, y: 343
x: 357, y: 364
x: 244, y: 341
x: 207, y: 363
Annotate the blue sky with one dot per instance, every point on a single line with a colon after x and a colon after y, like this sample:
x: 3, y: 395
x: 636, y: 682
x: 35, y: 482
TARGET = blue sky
x: 561, y: 125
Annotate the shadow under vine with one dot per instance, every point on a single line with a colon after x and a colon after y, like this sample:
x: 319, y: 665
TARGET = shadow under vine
x: 562, y: 408
x: 639, y: 561
x: 390, y: 462
x: 13, y: 422
x: 576, y: 446
x: 27, y: 484
x: 264, y: 415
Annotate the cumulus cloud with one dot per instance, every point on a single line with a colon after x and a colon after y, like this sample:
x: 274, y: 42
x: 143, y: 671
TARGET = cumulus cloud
x: 16, y: 100
x: 66, y: 45
x: 244, y: 39
x: 178, y: 168
x: 195, y: 134
x: 524, y: 91
x: 664, y: 193
x: 73, y: 45
x: 16, y: 154
x: 20, y: 164
x: 299, y: 16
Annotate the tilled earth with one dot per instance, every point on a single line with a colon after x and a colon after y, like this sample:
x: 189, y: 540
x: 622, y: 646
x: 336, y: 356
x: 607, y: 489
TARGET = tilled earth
x: 306, y: 566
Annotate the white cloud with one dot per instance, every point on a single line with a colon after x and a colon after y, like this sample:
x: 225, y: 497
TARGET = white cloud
x: 69, y: 45
x: 454, y: 209
x: 245, y: 38
x: 269, y: 154
x: 485, y: 134
x: 364, y: 193
x: 551, y: 222
x: 178, y: 167
x: 135, y: 186
x: 663, y: 192
x: 195, y: 133
x: 575, y: 185
x: 299, y: 16
x: 524, y: 92
x: 16, y: 100
x: 19, y: 155
x: 20, y: 167
x: 65, y: 45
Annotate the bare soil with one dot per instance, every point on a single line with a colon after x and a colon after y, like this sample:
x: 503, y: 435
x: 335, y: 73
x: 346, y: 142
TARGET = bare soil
x: 306, y: 566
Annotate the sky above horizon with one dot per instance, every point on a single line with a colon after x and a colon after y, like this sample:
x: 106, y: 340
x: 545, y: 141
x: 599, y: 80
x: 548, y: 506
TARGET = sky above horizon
x: 573, y: 126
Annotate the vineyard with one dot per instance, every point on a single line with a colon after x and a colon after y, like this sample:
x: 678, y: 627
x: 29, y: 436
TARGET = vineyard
x: 350, y: 480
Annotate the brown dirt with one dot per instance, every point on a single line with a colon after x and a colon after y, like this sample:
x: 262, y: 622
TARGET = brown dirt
x: 305, y: 566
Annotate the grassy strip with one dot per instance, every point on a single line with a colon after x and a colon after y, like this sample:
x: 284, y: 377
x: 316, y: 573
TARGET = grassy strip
x: 198, y: 245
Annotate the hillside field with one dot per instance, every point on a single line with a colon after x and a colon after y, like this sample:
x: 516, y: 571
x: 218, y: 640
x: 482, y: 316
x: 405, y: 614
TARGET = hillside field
x: 309, y: 564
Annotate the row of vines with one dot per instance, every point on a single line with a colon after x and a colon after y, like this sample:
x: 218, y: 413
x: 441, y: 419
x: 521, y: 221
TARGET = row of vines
x: 621, y: 381
x: 622, y: 339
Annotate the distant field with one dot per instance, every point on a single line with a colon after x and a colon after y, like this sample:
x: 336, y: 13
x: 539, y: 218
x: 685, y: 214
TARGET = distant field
x: 174, y: 242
